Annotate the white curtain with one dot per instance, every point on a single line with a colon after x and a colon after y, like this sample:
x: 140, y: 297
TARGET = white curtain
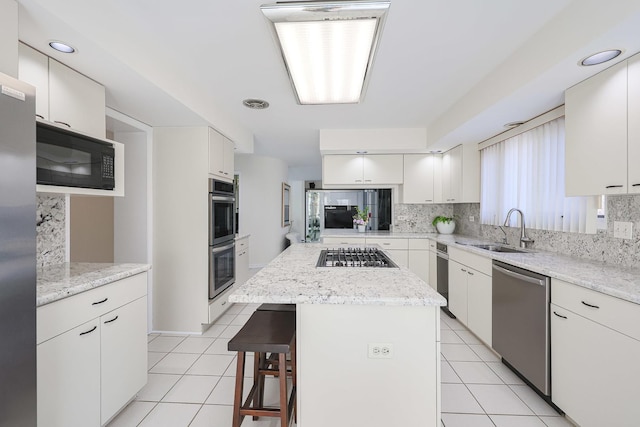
x: 527, y: 172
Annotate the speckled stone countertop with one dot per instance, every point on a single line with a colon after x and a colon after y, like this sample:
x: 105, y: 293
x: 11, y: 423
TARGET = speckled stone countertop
x: 59, y: 281
x: 292, y: 278
x: 610, y: 279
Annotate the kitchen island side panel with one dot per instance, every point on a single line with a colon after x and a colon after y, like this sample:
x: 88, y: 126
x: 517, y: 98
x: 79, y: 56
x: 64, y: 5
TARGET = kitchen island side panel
x: 340, y: 385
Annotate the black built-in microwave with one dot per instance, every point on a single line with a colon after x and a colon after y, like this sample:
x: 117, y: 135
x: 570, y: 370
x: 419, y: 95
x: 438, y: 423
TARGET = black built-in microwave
x: 71, y: 159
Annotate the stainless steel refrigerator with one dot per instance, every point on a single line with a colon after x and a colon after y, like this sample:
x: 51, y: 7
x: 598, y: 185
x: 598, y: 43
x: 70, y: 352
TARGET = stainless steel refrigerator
x: 17, y: 254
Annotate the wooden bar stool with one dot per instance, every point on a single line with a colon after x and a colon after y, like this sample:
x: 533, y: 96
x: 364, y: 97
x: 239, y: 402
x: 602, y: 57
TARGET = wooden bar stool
x: 272, y: 332
x: 277, y: 307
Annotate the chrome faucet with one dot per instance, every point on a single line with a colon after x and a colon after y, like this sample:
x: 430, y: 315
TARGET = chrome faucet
x: 523, y: 235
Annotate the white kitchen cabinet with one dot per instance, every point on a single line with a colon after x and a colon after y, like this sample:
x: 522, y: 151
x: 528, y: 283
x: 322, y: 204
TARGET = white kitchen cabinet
x: 633, y: 143
x: 433, y: 265
x: 470, y: 292
x: 362, y: 169
x: 63, y: 95
x: 460, y: 177
x: 33, y: 68
x: 221, y: 156
x: 595, y: 371
x: 397, y: 249
x: 68, y: 369
x: 346, y: 240
x: 458, y: 293
x: 92, y: 353
x: 418, y: 181
x: 123, y: 356
x: 596, y: 134
x: 418, y: 258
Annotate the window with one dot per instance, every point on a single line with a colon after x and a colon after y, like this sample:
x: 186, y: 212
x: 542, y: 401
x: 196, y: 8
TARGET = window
x: 526, y: 172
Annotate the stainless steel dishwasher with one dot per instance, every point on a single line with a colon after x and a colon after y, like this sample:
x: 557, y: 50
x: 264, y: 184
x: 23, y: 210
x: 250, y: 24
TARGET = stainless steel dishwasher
x: 443, y: 274
x: 521, y: 323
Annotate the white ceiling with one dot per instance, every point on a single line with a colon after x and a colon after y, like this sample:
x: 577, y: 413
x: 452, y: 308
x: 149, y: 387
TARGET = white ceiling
x: 461, y: 68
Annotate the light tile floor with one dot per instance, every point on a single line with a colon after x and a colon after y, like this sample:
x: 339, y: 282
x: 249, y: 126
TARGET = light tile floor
x: 191, y: 381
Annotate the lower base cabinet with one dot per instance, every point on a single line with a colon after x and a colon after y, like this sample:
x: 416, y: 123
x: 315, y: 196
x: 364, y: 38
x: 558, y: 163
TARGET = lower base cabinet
x: 595, y: 371
x: 88, y: 373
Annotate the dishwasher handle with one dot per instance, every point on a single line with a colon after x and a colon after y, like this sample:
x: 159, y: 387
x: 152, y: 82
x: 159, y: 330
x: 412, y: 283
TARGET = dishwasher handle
x: 524, y: 278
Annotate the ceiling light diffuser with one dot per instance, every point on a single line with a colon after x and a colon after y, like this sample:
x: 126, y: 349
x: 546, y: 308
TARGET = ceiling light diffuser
x: 600, y: 57
x: 62, y: 47
x: 328, y: 47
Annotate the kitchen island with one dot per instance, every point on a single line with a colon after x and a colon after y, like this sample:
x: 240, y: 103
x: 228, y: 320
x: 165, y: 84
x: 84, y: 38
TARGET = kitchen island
x: 368, y: 340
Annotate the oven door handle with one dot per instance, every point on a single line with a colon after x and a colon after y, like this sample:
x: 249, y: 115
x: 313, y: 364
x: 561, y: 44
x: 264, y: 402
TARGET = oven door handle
x: 216, y: 250
x: 223, y: 198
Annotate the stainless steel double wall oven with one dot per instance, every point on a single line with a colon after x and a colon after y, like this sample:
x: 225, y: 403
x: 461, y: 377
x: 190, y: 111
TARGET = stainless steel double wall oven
x: 221, y: 237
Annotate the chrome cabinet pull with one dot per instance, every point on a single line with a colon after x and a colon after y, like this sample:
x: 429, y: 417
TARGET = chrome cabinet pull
x: 462, y: 269
x: 40, y: 116
x: 470, y: 273
x: 89, y: 331
x: 636, y: 185
x: 99, y: 302
x: 62, y: 123
x: 112, y: 320
x: 614, y: 186
x: 590, y: 305
x: 559, y: 315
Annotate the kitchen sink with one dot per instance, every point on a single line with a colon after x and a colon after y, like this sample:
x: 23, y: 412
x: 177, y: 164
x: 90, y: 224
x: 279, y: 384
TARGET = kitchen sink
x: 499, y: 248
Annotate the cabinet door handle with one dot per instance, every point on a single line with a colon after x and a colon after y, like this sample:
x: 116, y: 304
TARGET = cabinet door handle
x: 112, y: 320
x: 386, y: 243
x: 358, y: 180
x: 220, y: 171
x: 89, y: 331
x: 559, y: 315
x: 99, y: 302
x: 590, y: 305
x: 223, y: 303
x: 428, y: 200
x: 62, y: 123
x: 636, y: 185
x: 367, y: 180
x: 470, y: 273
x: 462, y: 269
x: 40, y: 116
x: 614, y: 186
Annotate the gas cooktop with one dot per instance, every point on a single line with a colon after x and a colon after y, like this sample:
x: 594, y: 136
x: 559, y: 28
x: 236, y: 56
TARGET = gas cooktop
x: 354, y: 257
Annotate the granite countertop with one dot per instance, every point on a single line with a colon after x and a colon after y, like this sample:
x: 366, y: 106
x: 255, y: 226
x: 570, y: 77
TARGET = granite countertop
x: 292, y: 278
x: 617, y: 281
x: 59, y: 281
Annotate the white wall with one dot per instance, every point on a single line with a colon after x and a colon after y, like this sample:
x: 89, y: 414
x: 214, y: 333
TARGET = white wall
x: 130, y: 212
x: 9, y: 37
x: 261, y: 181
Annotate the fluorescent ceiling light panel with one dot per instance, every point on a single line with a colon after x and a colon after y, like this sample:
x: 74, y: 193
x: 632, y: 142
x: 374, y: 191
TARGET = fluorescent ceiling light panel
x: 328, y: 48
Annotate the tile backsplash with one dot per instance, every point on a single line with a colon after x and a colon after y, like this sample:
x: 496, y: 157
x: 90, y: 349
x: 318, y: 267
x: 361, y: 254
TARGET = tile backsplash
x: 50, y: 229
x: 601, y: 246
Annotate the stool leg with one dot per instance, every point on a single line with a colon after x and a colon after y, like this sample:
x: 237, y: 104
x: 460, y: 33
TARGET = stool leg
x: 282, y: 368
x: 237, y: 400
x: 259, y: 381
x: 294, y: 390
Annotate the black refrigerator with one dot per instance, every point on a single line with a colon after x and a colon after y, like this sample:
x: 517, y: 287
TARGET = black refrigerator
x: 17, y: 254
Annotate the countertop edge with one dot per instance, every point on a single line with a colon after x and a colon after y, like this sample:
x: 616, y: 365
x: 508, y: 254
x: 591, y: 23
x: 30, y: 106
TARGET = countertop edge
x: 53, y: 291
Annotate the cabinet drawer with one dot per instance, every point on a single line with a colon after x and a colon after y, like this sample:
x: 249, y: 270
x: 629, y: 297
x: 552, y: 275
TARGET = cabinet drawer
x: 419, y: 244
x: 388, y: 243
x: 477, y: 262
x: 242, y: 244
x: 219, y: 305
x: 60, y: 316
x: 346, y: 240
x: 622, y: 316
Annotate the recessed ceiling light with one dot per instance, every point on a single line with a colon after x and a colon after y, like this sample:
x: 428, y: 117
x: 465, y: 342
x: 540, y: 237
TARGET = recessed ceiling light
x: 600, y: 57
x: 327, y: 46
x: 513, y: 124
x: 255, y: 104
x: 61, y: 47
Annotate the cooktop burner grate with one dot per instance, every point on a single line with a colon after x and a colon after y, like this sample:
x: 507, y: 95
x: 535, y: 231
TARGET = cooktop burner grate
x: 354, y: 257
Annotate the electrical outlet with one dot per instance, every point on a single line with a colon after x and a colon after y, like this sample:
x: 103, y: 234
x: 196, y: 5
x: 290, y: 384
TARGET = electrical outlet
x: 622, y: 230
x: 380, y: 351
x: 472, y: 218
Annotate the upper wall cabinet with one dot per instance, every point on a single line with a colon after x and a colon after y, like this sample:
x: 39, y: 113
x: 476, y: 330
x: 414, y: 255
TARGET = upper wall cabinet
x: 602, y: 148
x: 461, y: 175
x: 221, y: 152
x: 63, y: 95
x: 378, y: 169
x: 419, y: 174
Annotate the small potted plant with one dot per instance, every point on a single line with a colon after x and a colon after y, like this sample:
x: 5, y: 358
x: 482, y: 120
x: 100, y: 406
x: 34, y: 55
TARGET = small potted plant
x: 361, y: 218
x: 444, y: 224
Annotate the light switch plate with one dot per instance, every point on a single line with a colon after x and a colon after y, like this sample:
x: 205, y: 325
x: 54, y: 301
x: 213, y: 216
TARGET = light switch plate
x: 623, y: 230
